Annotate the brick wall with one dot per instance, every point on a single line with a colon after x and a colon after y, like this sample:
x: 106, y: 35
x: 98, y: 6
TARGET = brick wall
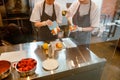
x: 118, y: 4
x: 109, y: 7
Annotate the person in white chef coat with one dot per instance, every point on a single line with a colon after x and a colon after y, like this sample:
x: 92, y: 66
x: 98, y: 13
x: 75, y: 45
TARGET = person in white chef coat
x: 43, y: 14
x: 85, y: 14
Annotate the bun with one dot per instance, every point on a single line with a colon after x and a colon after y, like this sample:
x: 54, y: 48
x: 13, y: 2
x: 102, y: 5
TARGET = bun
x: 59, y: 45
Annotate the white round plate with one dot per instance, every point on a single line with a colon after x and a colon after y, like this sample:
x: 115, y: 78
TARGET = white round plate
x: 50, y: 64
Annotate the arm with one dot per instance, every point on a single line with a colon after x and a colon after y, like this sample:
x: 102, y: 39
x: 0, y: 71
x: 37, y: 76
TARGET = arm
x: 70, y: 21
x: 35, y: 16
x: 39, y: 24
x: 87, y: 29
x: 94, y: 19
x: 71, y: 11
x: 43, y: 23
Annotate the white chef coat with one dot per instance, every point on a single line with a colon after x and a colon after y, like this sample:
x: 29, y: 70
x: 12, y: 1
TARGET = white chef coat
x: 38, y: 8
x: 84, y: 9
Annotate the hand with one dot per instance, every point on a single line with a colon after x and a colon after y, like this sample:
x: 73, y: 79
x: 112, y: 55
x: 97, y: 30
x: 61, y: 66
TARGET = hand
x: 80, y: 28
x: 55, y: 30
x: 75, y: 28
x: 72, y: 28
x: 49, y: 22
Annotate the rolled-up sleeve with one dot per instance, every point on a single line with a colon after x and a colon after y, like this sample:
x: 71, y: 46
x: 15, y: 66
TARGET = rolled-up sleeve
x: 95, y: 16
x: 58, y: 13
x: 73, y: 8
x: 35, y: 16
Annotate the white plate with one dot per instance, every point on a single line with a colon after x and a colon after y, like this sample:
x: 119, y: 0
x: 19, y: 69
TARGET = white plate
x: 50, y: 64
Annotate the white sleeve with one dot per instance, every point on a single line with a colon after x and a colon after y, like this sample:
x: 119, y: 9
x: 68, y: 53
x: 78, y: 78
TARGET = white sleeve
x: 95, y: 16
x: 58, y: 13
x: 36, y: 13
x: 72, y: 9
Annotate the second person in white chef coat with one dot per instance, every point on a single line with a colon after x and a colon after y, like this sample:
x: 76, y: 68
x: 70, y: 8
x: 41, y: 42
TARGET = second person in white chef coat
x: 85, y: 15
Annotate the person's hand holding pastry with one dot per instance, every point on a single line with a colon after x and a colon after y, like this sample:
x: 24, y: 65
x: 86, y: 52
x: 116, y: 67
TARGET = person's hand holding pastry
x: 55, y: 30
x: 48, y: 22
x: 75, y: 28
x: 72, y: 28
x: 59, y: 45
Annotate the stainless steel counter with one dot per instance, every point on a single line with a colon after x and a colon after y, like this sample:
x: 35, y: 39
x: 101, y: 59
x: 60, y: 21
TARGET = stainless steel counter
x: 77, y: 63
